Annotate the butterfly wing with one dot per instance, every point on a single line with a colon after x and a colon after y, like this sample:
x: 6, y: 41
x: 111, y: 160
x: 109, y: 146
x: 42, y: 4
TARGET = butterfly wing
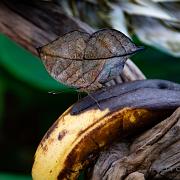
x: 85, y: 61
x: 112, y: 68
x: 69, y: 46
x: 91, y: 70
x: 63, y: 57
x: 112, y: 48
x: 108, y: 43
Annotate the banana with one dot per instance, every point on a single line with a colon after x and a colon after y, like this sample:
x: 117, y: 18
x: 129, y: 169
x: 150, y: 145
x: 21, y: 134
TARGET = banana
x: 72, y: 140
x: 75, y: 140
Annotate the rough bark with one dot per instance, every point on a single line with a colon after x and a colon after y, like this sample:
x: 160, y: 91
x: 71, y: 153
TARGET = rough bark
x: 153, y: 155
x: 36, y: 23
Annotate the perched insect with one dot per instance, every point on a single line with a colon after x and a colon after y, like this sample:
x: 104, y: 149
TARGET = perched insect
x: 86, y: 61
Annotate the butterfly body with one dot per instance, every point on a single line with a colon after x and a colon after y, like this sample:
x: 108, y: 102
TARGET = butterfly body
x: 86, y: 61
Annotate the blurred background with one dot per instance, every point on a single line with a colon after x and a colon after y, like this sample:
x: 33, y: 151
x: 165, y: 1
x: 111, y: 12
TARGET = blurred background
x: 27, y: 109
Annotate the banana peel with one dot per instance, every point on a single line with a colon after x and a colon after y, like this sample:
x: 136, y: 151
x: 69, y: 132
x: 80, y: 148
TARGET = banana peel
x: 79, y: 134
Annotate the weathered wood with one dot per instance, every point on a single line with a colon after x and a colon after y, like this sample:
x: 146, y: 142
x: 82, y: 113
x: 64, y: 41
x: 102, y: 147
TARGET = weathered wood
x: 153, y: 155
x: 36, y: 23
x: 33, y: 24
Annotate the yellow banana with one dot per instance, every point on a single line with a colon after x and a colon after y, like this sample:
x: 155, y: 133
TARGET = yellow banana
x: 72, y: 141
x: 75, y: 140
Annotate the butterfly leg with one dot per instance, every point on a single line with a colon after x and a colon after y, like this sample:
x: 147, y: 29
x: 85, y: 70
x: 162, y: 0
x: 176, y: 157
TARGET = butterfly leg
x: 94, y: 99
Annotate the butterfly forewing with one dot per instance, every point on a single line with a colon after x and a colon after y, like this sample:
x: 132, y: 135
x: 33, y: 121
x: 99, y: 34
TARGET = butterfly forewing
x: 108, y: 43
x: 63, y: 58
x: 70, y: 46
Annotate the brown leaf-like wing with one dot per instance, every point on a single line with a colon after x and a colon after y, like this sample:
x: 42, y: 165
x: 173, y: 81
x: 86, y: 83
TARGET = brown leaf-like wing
x: 112, y: 68
x: 63, y: 58
x: 91, y: 73
x: 70, y: 46
x: 108, y: 43
x: 87, y: 61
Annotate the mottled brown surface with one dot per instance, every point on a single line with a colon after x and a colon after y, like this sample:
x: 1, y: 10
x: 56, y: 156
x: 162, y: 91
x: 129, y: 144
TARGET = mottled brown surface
x: 108, y: 43
x: 62, y: 134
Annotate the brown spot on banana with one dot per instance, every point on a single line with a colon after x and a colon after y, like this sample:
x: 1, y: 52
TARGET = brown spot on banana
x: 49, y: 131
x: 93, y: 129
x: 62, y: 134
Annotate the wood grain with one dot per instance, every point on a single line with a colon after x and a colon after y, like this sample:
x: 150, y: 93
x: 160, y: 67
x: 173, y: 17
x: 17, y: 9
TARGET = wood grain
x: 153, y: 155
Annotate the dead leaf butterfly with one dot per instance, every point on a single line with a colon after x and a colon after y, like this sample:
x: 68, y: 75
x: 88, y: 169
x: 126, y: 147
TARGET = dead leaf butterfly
x: 86, y: 61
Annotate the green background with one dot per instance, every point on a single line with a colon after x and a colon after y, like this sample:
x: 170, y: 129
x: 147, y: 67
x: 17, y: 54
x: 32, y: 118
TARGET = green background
x: 27, y: 109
